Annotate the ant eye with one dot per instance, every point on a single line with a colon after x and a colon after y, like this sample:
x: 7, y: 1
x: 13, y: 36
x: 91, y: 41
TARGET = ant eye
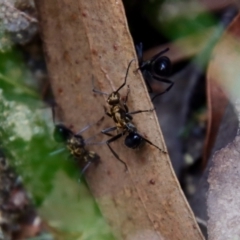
x: 61, y: 133
x: 133, y: 140
x: 162, y: 66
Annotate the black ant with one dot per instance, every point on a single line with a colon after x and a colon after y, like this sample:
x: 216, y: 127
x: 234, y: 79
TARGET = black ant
x: 158, y: 67
x: 76, y: 144
x: 123, y: 119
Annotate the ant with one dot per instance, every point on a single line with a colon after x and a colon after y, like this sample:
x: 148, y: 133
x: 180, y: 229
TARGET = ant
x: 76, y: 144
x: 158, y: 67
x: 120, y: 114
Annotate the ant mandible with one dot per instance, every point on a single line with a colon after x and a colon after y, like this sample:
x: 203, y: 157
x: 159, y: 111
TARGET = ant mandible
x: 76, y: 144
x: 120, y: 114
x: 158, y: 67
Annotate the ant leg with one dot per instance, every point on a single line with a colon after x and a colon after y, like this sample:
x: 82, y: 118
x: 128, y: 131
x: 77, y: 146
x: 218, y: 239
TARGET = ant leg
x: 86, y: 141
x: 148, y: 85
x: 126, y: 99
x: 163, y: 80
x: 95, y: 90
x: 139, y: 50
x: 106, y: 112
x: 85, y: 168
x: 149, y: 142
x: 125, y: 80
x: 159, y: 54
x: 114, y: 138
x: 107, y: 130
x: 134, y: 112
x: 141, y: 111
x: 90, y: 125
x: 93, y: 158
x: 146, y: 77
x: 57, y: 151
x: 167, y: 89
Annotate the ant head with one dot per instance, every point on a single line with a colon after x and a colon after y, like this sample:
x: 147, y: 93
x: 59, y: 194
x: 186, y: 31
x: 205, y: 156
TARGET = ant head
x: 162, y: 66
x: 133, y: 140
x: 61, y: 133
x: 114, y: 98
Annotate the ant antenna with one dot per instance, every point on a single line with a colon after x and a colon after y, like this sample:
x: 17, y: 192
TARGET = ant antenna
x: 85, y: 168
x: 54, y: 105
x: 159, y: 94
x: 125, y: 76
x: 164, y: 51
x: 95, y: 90
x: 90, y: 125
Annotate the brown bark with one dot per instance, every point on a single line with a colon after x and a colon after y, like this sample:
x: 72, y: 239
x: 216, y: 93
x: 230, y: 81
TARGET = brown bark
x: 85, y: 38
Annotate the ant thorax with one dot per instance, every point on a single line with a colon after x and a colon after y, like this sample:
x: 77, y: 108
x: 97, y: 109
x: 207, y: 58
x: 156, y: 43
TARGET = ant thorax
x: 119, y: 116
x: 76, y: 146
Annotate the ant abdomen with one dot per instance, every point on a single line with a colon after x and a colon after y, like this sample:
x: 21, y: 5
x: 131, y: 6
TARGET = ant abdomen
x: 162, y: 66
x: 133, y: 140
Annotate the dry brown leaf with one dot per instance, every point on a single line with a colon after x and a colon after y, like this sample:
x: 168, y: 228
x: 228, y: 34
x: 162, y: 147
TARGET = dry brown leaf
x: 222, y: 78
x: 224, y: 67
x: 85, y: 38
x: 217, y: 103
x: 223, y: 200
